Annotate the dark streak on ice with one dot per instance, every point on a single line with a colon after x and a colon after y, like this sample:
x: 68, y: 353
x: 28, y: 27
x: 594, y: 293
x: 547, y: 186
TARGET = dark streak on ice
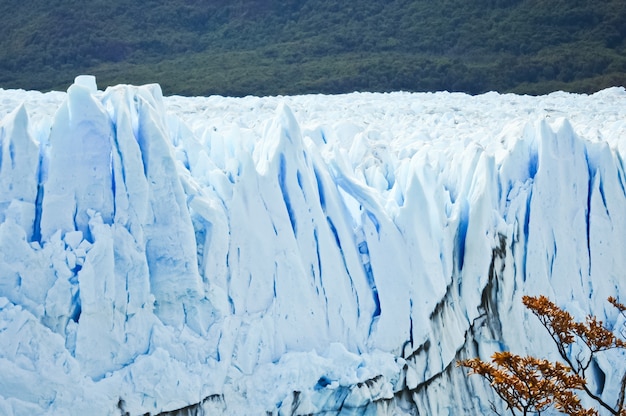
x: 41, y: 176
x: 411, y: 323
x: 299, y: 179
x: 274, y: 283
x: 590, y: 180
x: 283, y: 187
x: 554, y: 254
x: 113, y: 184
x: 320, y: 189
x: 367, y: 268
x: 620, y: 173
x: 76, y: 307
x: 334, y: 231
x: 345, y: 266
x: 462, y: 234
x: 319, y: 263
x: 374, y: 220
x: 533, y: 164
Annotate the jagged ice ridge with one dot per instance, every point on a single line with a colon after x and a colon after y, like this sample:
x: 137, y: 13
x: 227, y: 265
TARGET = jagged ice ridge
x: 297, y: 255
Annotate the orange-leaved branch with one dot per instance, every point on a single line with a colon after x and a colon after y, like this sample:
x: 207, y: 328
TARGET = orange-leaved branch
x: 531, y: 385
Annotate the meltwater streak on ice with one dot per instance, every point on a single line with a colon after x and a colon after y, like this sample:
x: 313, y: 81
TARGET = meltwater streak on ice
x: 296, y: 254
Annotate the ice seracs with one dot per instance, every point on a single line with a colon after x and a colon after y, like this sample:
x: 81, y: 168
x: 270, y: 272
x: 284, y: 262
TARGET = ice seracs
x: 295, y: 255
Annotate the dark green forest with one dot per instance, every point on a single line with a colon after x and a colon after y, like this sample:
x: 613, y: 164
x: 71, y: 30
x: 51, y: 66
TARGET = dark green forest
x: 271, y: 47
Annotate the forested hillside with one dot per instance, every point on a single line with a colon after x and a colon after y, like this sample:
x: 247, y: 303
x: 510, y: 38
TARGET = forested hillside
x: 269, y: 47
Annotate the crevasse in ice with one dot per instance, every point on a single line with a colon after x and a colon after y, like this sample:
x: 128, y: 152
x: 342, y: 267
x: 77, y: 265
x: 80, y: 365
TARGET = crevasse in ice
x: 297, y: 255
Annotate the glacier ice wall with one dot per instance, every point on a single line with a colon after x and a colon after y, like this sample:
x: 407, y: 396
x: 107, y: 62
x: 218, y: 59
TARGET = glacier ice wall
x: 296, y: 255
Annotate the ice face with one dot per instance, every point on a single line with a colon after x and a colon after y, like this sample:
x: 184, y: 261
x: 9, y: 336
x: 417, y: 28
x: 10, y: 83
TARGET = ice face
x: 296, y: 255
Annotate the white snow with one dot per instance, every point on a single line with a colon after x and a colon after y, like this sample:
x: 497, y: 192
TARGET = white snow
x: 299, y: 254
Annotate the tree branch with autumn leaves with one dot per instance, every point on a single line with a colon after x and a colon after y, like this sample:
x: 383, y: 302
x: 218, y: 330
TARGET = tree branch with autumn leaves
x: 530, y: 385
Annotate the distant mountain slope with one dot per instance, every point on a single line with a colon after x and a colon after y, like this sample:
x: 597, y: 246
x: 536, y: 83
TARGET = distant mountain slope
x: 267, y: 47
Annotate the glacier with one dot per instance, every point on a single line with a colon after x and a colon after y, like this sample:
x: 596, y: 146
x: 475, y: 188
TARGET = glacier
x: 297, y: 255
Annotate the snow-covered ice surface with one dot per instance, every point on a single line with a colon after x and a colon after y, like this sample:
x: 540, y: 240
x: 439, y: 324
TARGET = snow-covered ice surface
x: 297, y: 255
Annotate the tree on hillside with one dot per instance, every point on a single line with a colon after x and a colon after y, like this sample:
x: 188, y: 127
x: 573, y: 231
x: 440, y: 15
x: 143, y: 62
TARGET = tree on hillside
x: 529, y: 385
